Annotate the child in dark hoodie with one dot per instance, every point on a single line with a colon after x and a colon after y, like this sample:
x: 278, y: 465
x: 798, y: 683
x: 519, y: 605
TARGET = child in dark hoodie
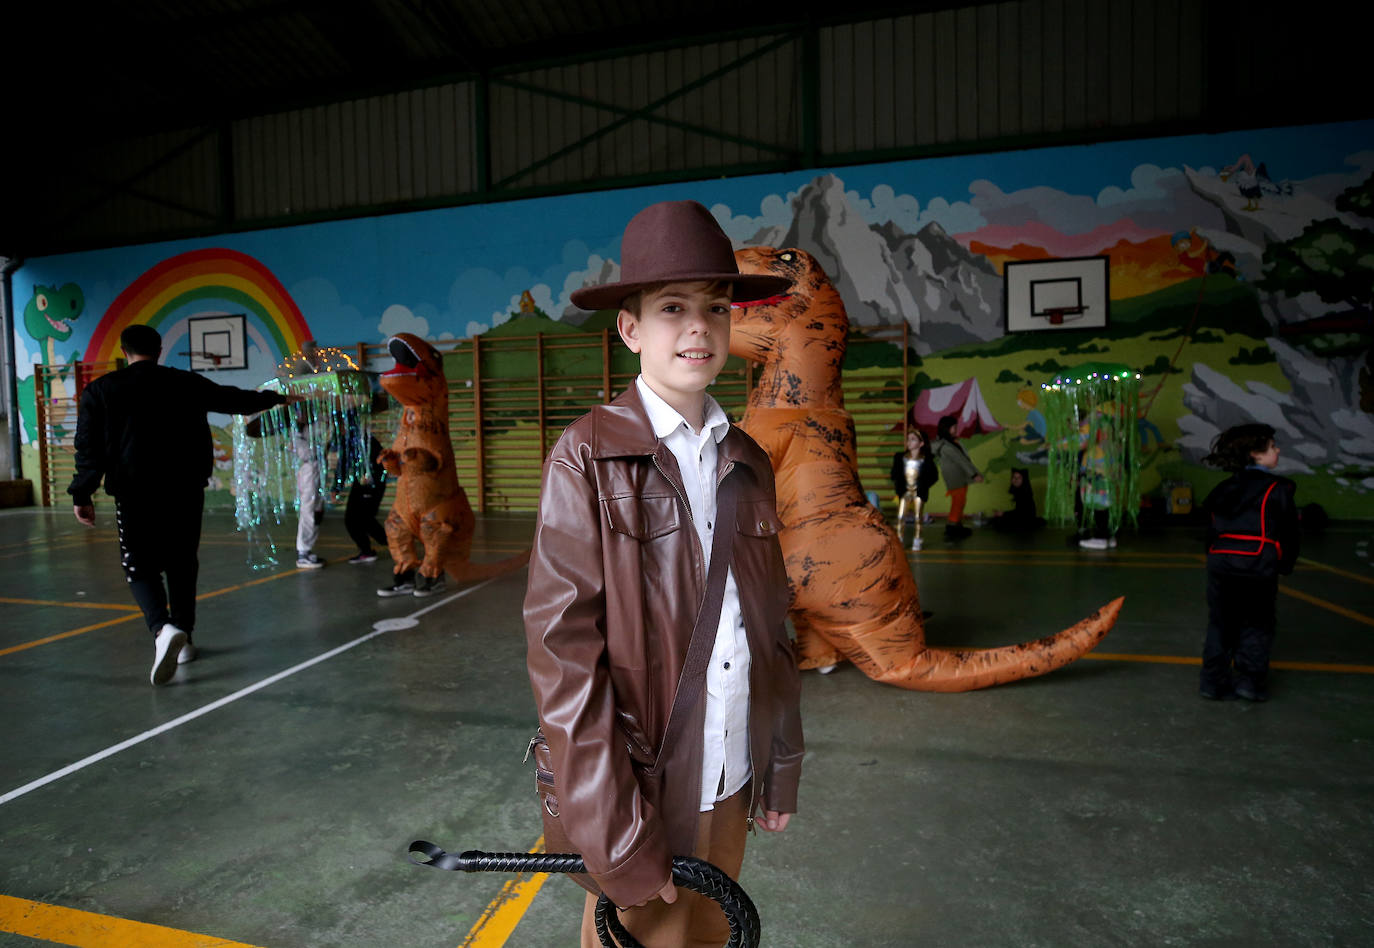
x: 1021, y: 518
x: 1252, y: 538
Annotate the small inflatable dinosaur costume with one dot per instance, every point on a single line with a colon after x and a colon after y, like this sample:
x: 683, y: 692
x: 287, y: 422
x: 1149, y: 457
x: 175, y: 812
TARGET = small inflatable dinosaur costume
x: 429, y: 504
x: 854, y: 595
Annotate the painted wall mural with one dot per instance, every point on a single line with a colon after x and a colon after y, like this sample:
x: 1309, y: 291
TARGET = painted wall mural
x: 1241, y: 285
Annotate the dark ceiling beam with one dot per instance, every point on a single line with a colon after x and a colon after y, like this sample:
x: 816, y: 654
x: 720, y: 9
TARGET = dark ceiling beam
x: 455, y: 29
x: 112, y: 189
x: 620, y: 110
x: 361, y: 34
x: 646, y: 112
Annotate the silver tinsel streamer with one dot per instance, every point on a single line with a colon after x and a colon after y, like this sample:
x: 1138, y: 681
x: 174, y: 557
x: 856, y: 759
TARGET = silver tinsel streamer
x: 329, y: 425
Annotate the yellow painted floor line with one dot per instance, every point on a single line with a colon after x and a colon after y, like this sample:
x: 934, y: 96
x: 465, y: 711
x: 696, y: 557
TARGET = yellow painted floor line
x: 1184, y: 660
x: 1359, y: 617
x: 1367, y: 580
x: 66, y: 635
x: 136, y: 614
x: 67, y: 926
x: 118, y: 606
x: 498, y: 921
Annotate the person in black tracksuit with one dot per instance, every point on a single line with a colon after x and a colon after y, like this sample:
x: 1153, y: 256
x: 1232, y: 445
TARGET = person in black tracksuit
x: 1252, y: 538
x: 143, y: 430
x: 364, y: 499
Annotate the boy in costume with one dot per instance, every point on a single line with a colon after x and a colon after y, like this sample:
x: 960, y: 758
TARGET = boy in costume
x: 1252, y: 538
x: 622, y: 554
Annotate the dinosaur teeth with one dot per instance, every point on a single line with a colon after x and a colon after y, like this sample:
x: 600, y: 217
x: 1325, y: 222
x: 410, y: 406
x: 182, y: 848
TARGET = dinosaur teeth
x: 57, y: 324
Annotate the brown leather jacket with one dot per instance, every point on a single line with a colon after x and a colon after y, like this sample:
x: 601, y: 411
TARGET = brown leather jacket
x: 616, y: 578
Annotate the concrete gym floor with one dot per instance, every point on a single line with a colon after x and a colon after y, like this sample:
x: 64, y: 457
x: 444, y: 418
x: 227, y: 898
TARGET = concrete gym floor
x: 267, y: 795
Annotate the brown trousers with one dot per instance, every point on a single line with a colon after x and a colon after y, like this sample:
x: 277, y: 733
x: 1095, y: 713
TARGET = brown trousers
x: 693, y: 921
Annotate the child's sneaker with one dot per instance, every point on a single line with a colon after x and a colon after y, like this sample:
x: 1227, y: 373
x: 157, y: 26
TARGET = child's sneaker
x: 367, y: 557
x: 403, y: 584
x: 1093, y: 543
x: 428, y: 585
x: 309, y: 561
x: 916, y: 545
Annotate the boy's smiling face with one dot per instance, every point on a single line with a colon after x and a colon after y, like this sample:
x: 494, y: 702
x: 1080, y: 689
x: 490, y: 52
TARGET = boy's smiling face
x: 682, y: 336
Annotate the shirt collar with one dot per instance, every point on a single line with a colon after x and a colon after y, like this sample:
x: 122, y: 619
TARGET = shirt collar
x: 666, y: 419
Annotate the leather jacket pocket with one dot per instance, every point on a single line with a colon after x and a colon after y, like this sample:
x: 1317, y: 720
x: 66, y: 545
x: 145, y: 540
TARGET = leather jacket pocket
x: 757, y: 518
x: 644, y: 517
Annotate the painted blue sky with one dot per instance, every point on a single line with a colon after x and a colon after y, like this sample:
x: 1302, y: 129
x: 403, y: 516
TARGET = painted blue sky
x: 458, y: 271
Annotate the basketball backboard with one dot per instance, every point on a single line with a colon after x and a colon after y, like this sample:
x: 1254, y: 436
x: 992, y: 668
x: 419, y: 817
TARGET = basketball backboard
x: 217, y: 342
x: 1067, y: 293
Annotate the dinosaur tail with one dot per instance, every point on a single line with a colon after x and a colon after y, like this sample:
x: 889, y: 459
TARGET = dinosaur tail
x: 935, y: 669
x: 466, y: 571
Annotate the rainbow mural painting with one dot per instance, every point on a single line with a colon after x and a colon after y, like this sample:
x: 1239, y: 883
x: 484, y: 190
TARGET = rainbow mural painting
x: 213, y: 273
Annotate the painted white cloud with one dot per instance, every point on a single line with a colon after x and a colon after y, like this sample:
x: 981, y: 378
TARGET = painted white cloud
x: 397, y: 318
x: 599, y: 269
x: 774, y: 211
x: 24, y: 359
x: 1156, y: 197
x: 959, y: 217
x: 543, y: 298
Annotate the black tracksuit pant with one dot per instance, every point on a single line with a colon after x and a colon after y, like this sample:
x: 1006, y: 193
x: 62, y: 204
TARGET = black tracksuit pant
x: 1240, y: 630
x: 360, y: 515
x: 159, y: 536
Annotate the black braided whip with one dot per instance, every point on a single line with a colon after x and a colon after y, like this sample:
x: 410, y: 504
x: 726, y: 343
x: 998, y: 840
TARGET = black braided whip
x: 688, y: 873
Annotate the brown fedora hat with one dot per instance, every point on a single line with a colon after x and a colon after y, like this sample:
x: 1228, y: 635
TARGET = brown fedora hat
x: 676, y: 242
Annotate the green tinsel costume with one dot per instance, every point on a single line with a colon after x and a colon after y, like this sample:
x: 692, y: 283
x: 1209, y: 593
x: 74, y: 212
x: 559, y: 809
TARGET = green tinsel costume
x: 1094, y: 449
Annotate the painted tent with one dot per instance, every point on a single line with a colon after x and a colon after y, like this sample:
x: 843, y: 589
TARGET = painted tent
x: 964, y: 399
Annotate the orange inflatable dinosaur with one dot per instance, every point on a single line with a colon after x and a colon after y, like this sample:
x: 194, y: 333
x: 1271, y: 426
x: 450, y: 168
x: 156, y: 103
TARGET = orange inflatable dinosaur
x: 854, y: 595
x: 429, y: 506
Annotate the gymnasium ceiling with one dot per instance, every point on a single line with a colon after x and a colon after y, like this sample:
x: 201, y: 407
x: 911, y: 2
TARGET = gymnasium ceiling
x: 129, y: 66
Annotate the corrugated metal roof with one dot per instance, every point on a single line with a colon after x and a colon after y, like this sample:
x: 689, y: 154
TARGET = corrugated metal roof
x: 130, y: 66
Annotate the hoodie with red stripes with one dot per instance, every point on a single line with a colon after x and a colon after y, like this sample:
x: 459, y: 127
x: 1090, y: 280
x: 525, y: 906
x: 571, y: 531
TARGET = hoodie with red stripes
x: 1254, y: 524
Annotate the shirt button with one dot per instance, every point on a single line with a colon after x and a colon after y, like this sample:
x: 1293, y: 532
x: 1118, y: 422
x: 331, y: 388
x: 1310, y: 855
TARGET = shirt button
x: 727, y: 664
x: 708, y: 525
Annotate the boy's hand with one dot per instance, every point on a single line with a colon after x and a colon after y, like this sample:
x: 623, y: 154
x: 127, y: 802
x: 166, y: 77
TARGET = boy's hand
x: 85, y: 513
x: 773, y: 821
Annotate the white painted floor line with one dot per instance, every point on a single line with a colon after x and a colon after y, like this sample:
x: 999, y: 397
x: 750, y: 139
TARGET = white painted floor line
x: 227, y: 699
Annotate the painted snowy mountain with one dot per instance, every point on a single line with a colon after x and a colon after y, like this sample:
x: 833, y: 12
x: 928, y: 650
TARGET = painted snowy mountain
x: 947, y: 294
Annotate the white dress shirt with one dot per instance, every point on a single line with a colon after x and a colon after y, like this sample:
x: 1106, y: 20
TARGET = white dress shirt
x: 725, y: 764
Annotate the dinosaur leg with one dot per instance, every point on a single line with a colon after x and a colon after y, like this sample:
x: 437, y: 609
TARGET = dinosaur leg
x: 442, y: 540
x: 401, y: 542
x: 813, y: 650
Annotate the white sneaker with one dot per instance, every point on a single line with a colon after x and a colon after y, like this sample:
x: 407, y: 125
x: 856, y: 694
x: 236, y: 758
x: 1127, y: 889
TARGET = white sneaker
x: 827, y: 669
x: 308, y: 561
x: 187, y: 653
x: 166, y: 648
x: 916, y: 544
x: 1093, y: 543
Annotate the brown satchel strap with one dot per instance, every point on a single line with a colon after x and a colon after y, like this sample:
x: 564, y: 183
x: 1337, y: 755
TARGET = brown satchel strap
x: 693, y: 678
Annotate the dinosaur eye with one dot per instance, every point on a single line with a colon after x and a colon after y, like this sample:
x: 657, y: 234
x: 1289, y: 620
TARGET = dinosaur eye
x: 787, y: 256
x: 42, y: 302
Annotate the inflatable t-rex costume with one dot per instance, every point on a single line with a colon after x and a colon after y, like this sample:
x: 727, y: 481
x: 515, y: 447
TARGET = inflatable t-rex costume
x: 429, y: 504
x: 855, y: 597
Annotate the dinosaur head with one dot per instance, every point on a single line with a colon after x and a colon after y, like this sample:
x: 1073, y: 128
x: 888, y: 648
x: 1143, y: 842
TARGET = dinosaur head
x: 48, y: 312
x: 418, y: 378
x: 809, y: 312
